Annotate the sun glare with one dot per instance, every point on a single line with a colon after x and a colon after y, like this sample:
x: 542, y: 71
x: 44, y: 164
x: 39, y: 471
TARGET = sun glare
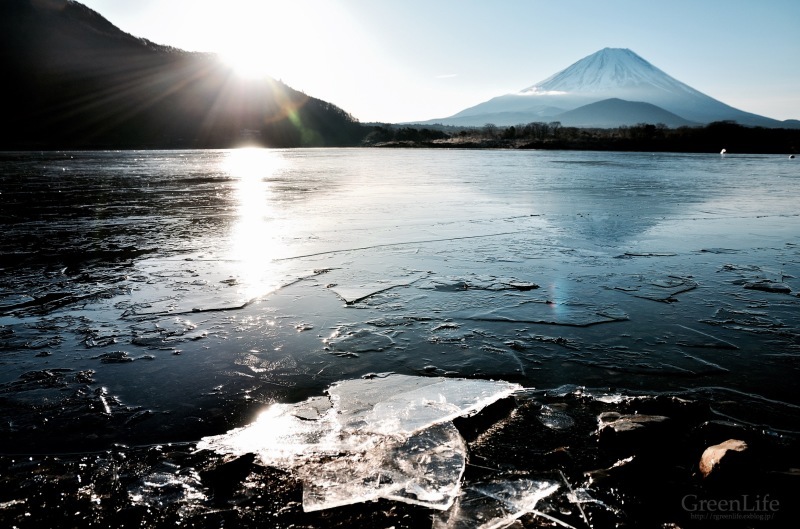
x: 256, y: 237
x: 253, y: 37
x: 247, y: 61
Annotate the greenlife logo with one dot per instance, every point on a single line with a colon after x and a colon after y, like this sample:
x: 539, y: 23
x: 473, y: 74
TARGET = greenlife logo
x: 745, y: 507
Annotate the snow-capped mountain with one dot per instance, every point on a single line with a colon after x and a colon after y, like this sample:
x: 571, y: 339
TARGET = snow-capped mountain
x: 607, y: 71
x: 611, y: 73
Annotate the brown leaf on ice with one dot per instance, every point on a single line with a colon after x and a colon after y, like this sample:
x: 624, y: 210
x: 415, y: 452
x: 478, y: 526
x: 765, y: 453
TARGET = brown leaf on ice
x: 713, y: 454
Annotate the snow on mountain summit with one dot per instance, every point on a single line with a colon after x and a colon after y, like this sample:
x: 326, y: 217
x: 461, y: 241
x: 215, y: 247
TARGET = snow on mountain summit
x: 607, y: 70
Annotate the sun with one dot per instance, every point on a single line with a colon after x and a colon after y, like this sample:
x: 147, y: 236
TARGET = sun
x: 249, y: 36
x: 297, y: 40
x: 247, y: 60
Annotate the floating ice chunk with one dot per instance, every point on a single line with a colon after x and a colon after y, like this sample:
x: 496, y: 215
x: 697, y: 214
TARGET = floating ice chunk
x: 611, y: 398
x: 573, y: 314
x: 625, y: 423
x: 359, y: 341
x: 478, y: 282
x: 384, y: 437
x: 554, y: 419
x: 629, y: 255
x: 662, y: 289
x: 313, y: 408
x: 719, y: 250
x: 400, y: 404
x: 494, y: 505
x: 767, y: 285
x: 352, y: 294
x: 280, y: 437
x: 424, y: 469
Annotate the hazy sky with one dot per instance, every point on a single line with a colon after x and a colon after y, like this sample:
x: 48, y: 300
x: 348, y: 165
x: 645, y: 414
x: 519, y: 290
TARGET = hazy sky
x: 405, y: 60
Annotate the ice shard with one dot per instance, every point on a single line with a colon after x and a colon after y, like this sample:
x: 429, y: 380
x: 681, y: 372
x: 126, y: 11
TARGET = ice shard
x: 400, y: 405
x: 494, y: 505
x: 383, y: 437
x: 423, y: 469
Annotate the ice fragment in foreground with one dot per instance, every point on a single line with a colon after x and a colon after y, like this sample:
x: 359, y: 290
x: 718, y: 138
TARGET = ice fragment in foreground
x: 400, y: 405
x: 424, y: 469
x: 386, y: 437
x: 494, y: 505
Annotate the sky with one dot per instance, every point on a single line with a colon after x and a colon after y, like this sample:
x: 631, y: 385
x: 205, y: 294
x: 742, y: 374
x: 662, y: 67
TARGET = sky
x: 398, y: 61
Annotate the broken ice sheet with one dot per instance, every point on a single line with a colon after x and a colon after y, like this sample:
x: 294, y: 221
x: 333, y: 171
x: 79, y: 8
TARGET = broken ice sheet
x: 353, y: 293
x: 384, y: 437
x: 494, y: 505
x: 662, y: 289
x: 356, y: 284
x: 424, y: 469
x: 399, y: 405
x: 478, y: 282
x: 348, y: 341
x: 573, y: 314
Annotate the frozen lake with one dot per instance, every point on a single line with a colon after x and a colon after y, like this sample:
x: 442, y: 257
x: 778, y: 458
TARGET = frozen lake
x: 178, y: 293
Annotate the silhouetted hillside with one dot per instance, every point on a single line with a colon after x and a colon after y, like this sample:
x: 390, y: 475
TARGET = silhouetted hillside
x: 74, y: 80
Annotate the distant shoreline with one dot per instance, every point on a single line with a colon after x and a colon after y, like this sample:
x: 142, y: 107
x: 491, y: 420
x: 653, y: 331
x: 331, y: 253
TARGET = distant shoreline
x: 557, y: 146
x: 712, y: 138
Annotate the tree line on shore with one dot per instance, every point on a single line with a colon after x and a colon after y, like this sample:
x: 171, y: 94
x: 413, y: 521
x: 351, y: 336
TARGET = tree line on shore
x: 714, y: 137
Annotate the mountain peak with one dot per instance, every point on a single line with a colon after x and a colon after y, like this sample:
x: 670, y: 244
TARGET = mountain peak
x: 604, y: 71
x: 630, y: 89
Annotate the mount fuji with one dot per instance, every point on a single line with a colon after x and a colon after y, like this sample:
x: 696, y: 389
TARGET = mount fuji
x: 609, y: 88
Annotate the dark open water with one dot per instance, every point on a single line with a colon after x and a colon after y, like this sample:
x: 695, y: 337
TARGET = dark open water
x: 151, y: 299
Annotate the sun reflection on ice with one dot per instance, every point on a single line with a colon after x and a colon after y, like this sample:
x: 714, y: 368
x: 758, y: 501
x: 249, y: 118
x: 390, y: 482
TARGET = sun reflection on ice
x: 256, y: 238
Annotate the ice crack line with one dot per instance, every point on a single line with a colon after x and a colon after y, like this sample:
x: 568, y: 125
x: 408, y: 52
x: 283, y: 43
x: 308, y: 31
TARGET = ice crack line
x: 401, y: 243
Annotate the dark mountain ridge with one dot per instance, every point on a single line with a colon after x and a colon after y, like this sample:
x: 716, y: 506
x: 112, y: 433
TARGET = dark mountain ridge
x: 74, y: 80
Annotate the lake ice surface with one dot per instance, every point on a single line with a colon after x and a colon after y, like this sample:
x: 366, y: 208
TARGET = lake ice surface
x: 179, y: 293
x: 239, y: 278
